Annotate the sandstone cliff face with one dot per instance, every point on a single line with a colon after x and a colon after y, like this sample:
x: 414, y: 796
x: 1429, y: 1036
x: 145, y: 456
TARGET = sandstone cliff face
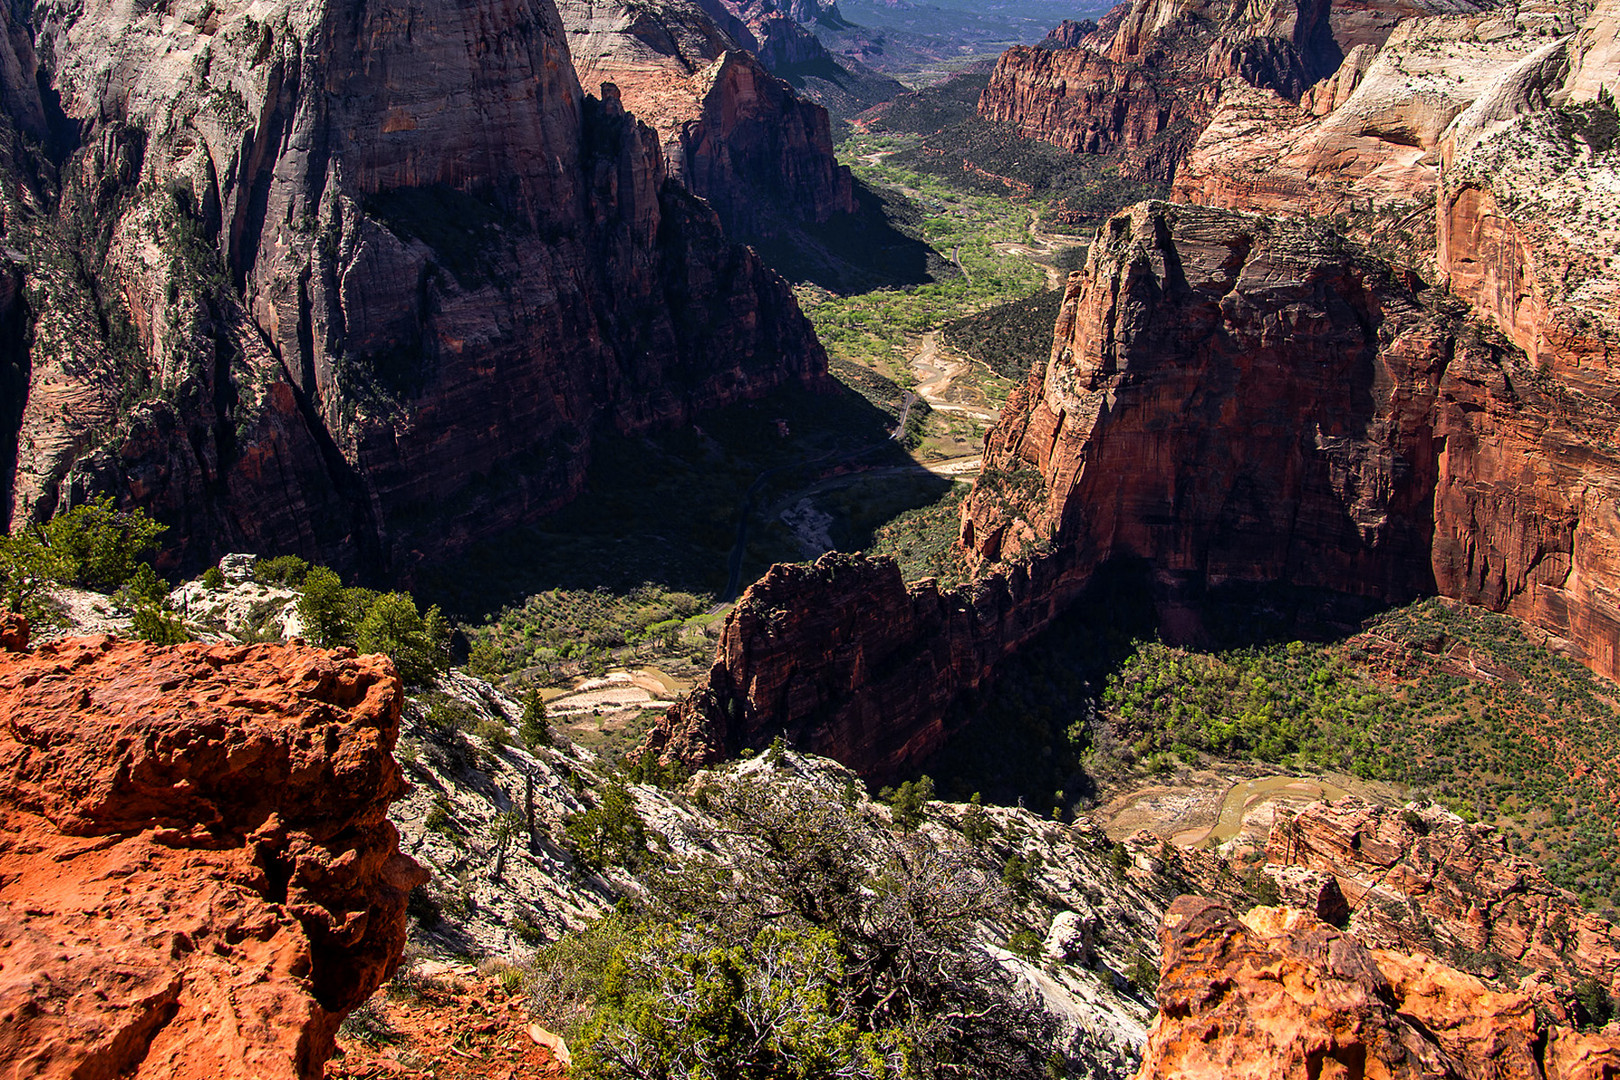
x: 1364, y: 146
x: 1232, y: 400
x: 1427, y: 881
x: 1440, y: 461
x: 360, y: 284
x: 197, y: 877
x: 1526, y: 214
x: 730, y: 132
x: 1279, y: 993
x: 1142, y: 86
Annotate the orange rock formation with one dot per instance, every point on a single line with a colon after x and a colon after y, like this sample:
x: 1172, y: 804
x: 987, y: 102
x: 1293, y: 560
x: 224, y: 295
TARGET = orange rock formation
x: 1278, y: 993
x: 197, y: 877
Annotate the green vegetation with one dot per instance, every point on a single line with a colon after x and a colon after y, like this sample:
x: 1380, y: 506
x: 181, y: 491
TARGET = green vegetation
x: 610, y: 833
x: 876, y: 329
x: 908, y: 800
x: 920, y: 540
x: 1452, y: 701
x: 94, y: 546
x: 287, y: 571
x: 937, y: 131
x: 418, y: 642
x: 827, y: 948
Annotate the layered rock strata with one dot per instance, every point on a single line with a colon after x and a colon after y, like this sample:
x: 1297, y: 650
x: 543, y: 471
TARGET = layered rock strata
x: 197, y: 877
x: 1528, y: 215
x: 1233, y: 403
x: 730, y: 131
x: 1422, y: 879
x: 356, y: 283
x: 1280, y: 993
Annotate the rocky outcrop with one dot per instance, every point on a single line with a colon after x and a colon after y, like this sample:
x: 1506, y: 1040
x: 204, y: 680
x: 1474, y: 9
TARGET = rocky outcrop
x: 845, y: 660
x: 1280, y: 993
x: 197, y: 877
x: 1142, y: 86
x: 730, y: 131
x: 1364, y: 146
x: 360, y: 284
x: 1231, y: 400
x: 1422, y: 879
x: 1445, y: 462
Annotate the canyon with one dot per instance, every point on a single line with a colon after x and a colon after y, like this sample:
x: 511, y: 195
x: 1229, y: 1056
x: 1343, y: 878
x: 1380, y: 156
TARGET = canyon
x: 1239, y: 402
x: 274, y: 264
x: 1235, y: 402
x: 1163, y: 85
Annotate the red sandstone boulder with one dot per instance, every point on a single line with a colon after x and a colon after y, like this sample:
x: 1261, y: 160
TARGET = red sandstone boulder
x: 197, y: 877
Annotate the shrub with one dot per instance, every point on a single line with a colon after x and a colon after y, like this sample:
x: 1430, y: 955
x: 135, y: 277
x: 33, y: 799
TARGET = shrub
x: 532, y: 727
x: 154, y: 624
x: 93, y: 546
x: 530, y: 933
x: 1596, y: 1006
x: 1144, y: 973
x: 100, y: 547
x: 908, y: 801
x: 322, y: 608
x: 1025, y: 943
x: 976, y: 827
x: 611, y: 833
x: 287, y: 570
x: 213, y: 578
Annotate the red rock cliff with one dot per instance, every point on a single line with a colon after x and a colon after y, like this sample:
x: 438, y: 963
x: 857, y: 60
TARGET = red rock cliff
x: 362, y: 282
x: 197, y: 877
x: 1142, y: 86
x: 1427, y: 881
x: 844, y: 659
x: 732, y: 132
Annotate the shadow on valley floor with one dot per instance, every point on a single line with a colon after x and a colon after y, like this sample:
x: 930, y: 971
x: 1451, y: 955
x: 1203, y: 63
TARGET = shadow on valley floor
x: 1458, y: 704
x: 879, y: 246
x: 665, y: 508
x: 1044, y: 731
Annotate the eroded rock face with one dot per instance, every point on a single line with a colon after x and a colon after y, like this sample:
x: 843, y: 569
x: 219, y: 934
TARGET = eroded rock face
x: 1445, y: 462
x: 1232, y: 400
x: 846, y: 660
x: 197, y: 877
x: 1142, y: 86
x: 1425, y: 880
x: 1527, y: 212
x: 1279, y: 993
x: 364, y: 283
